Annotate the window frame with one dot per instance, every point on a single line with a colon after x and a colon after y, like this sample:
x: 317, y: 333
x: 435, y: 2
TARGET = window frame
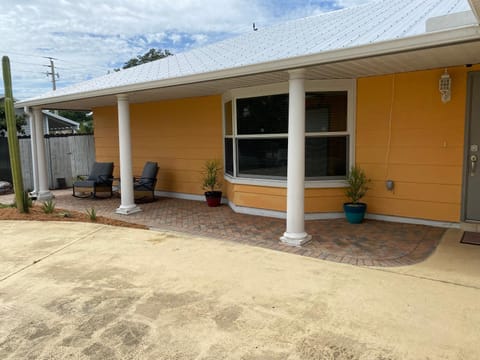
x: 311, y: 86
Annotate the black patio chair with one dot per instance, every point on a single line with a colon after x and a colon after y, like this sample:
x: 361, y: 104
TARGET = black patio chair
x: 99, y: 181
x: 144, y: 186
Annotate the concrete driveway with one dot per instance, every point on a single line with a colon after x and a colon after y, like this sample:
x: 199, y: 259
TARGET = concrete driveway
x: 86, y: 291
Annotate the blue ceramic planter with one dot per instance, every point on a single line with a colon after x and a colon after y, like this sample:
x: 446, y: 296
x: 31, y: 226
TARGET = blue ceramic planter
x: 355, y: 212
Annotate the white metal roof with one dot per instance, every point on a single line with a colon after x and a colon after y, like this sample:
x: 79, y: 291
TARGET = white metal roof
x: 370, y: 24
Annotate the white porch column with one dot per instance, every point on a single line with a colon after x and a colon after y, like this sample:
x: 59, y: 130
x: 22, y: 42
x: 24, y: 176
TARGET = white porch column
x: 33, y: 143
x: 295, y: 234
x: 43, y: 192
x: 127, y: 205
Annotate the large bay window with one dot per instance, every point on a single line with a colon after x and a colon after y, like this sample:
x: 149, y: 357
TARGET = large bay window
x: 256, y: 133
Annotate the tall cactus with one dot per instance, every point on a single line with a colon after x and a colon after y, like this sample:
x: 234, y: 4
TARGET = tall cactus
x: 13, y: 145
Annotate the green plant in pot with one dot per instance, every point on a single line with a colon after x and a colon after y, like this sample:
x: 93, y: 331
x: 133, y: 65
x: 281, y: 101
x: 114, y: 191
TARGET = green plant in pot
x: 211, y: 184
x: 356, y: 190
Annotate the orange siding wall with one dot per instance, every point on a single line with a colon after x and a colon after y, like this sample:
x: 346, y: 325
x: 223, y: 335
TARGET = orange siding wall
x: 106, y: 136
x: 179, y: 134
x: 405, y: 133
x: 260, y: 197
x: 274, y: 198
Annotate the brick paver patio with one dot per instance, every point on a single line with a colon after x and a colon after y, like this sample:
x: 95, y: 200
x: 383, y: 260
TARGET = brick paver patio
x: 373, y: 243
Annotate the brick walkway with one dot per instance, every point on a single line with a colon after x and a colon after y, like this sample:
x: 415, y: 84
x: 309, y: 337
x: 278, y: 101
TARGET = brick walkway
x: 373, y: 243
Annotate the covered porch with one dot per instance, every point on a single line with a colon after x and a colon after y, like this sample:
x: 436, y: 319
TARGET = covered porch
x: 375, y: 243
x: 395, y: 124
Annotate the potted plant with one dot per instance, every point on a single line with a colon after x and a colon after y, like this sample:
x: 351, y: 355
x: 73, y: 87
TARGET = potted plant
x: 356, y: 190
x: 211, y: 184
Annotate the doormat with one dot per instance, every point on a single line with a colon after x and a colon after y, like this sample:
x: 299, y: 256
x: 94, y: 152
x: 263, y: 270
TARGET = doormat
x: 472, y: 238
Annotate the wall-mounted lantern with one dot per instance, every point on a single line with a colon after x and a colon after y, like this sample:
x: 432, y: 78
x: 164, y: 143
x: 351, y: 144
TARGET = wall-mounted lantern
x: 445, y: 87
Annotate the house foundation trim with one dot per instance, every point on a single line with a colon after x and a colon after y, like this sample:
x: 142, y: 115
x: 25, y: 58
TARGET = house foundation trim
x: 127, y: 203
x: 310, y: 216
x: 295, y: 234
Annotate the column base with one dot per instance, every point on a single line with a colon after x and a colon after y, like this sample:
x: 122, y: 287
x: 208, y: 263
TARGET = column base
x: 44, y: 196
x: 33, y: 195
x: 128, y: 210
x: 295, y: 239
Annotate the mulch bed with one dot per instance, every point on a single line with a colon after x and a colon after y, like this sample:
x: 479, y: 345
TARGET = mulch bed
x: 36, y: 213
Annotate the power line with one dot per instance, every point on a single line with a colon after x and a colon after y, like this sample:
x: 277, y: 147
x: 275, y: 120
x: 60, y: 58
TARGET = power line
x: 30, y: 71
x: 22, y: 54
x: 25, y: 63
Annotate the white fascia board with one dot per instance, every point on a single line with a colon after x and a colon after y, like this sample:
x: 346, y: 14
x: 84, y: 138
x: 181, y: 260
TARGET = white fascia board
x: 475, y: 6
x: 424, y: 41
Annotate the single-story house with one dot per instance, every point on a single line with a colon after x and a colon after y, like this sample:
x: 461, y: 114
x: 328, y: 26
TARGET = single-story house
x: 392, y: 86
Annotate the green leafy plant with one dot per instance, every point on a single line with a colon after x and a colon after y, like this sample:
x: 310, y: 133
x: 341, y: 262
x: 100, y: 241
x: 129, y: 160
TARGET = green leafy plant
x: 48, y: 206
x: 92, y: 214
x: 211, y: 172
x: 357, y: 184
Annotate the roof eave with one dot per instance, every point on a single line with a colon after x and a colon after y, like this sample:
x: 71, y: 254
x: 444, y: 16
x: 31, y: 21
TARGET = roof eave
x: 424, y: 41
x: 475, y: 6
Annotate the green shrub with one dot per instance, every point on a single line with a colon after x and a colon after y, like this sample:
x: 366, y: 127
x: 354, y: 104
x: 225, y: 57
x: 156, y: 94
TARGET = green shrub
x: 357, y: 184
x: 211, y: 173
x: 92, y: 214
x: 48, y: 206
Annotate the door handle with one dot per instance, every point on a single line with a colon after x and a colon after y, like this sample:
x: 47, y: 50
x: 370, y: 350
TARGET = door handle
x: 473, y: 164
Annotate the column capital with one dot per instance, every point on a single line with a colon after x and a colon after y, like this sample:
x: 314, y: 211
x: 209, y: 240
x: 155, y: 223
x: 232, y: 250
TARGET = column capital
x: 37, y: 109
x: 296, y: 74
x: 122, y: 97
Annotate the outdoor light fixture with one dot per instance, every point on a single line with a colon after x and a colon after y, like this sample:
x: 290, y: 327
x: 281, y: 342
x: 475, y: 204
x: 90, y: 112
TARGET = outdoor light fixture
x: 445, y: 87
x: 389, y: 184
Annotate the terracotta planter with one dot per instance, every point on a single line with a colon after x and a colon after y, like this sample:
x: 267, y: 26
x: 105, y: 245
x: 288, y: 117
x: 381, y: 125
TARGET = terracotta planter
x: 214, y: 198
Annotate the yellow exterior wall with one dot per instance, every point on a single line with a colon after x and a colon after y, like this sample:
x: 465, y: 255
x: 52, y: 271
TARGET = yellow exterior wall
x: 179, y: 134
x: 405, y: 133
x: 274, y: 198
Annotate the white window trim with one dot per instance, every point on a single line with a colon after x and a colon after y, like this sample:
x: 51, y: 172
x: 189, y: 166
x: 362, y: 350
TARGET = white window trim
x: 348, y: 85
x: 309, y: 184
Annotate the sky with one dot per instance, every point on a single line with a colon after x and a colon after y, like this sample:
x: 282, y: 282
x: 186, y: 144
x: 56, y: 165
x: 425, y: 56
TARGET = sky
x: 89, y: 38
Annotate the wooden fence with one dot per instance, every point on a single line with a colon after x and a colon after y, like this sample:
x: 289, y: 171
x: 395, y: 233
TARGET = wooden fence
x: 67, y: 157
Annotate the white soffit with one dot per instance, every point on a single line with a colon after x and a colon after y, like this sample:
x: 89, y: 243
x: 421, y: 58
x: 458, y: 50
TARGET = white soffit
x: 373, y: 30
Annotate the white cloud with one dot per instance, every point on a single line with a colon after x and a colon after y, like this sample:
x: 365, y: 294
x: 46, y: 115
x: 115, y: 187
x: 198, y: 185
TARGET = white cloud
x: 89, y: 37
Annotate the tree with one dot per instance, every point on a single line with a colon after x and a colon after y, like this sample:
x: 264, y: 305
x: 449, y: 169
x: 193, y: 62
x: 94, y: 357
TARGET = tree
x: 85, y: 121
x: 20, y: 121
x: 150, y: 55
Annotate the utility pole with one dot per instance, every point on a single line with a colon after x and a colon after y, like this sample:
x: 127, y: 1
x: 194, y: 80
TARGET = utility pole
x: 52, y: 72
